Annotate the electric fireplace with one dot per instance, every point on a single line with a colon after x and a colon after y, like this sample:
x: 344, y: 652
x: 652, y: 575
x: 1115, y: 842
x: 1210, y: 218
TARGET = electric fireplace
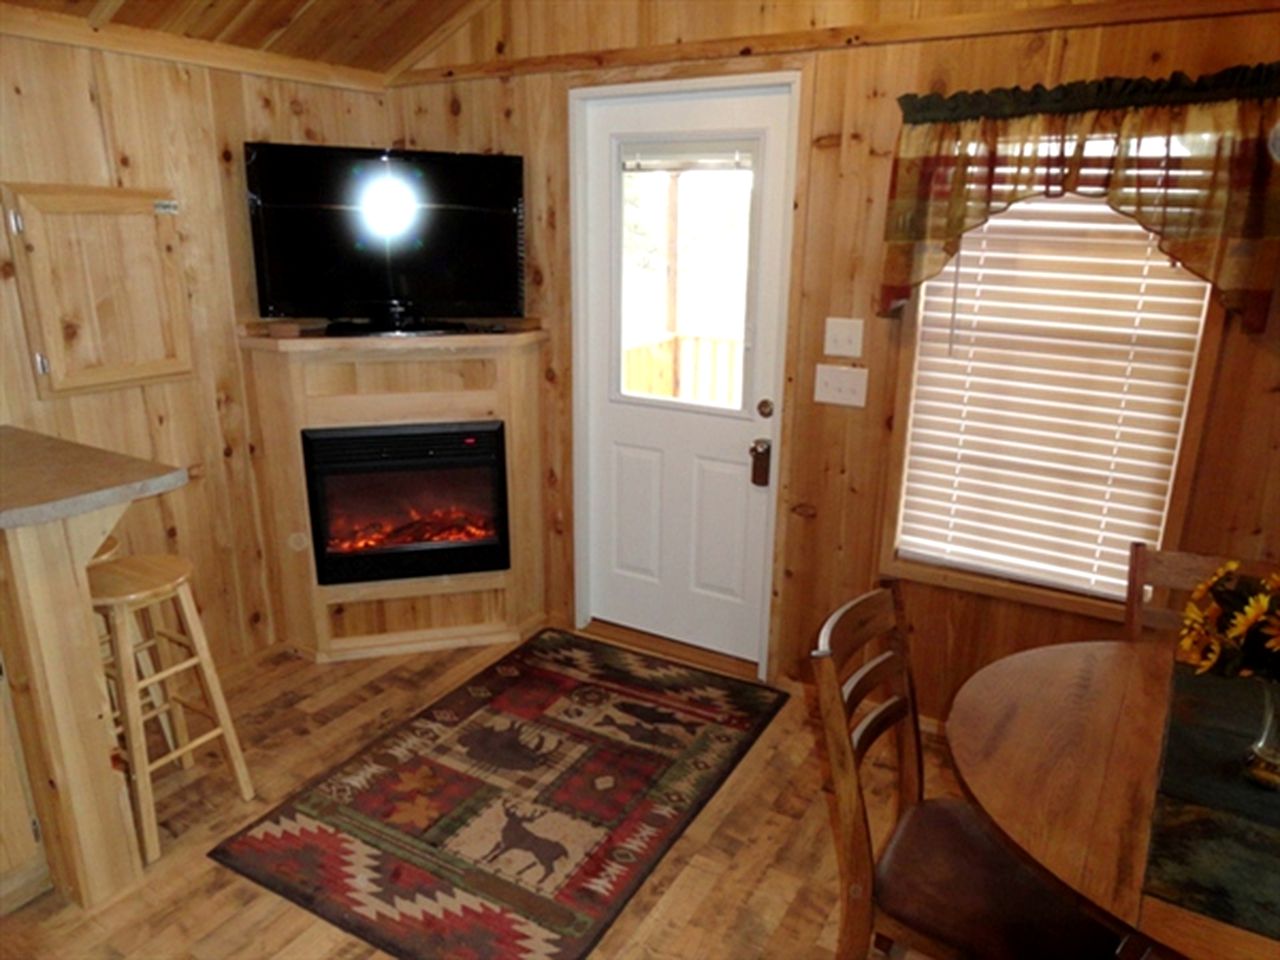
x: 407, y: 501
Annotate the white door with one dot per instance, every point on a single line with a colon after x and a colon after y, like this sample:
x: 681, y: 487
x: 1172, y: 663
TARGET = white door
x: 682, y: 196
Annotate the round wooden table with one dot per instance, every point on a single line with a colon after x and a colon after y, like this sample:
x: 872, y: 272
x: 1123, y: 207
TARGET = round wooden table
x: 1061, y: 747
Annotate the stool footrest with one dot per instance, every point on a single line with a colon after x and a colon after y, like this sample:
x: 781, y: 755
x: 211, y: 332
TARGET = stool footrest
x: 186, y: 748
x: 173, y: 636
x: 168, y: 672
x: 199, y: 708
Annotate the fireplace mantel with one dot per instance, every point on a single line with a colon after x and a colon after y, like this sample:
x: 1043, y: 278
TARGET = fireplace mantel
x: 304, y: 383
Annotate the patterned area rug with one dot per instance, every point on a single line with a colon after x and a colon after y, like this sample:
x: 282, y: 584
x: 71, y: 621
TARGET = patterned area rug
x: 513, y: 818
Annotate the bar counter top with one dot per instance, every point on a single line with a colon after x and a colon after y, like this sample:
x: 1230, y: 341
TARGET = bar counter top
x: 43, y: 478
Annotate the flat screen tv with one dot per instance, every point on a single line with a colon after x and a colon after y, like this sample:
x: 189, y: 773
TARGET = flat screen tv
x: 393, y: 236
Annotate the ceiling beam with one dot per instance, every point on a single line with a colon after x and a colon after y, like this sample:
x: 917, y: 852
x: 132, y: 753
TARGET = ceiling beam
x: 103, y: 11
x: 467, y: 11
x: 1112, y: 13
x: 44, y: 25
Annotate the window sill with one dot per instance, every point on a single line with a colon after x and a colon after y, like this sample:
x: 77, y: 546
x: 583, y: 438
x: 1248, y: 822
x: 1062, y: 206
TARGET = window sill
x: 989, y: 586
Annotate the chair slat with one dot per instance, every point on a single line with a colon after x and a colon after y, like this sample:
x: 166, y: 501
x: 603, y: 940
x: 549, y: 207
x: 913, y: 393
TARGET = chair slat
x: 1169, y: 574
x: 855, y: 624
x: 870, y: 675
x: 894, y: 710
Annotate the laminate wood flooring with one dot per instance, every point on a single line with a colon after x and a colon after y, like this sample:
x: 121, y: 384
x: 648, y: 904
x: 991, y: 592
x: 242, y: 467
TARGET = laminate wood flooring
x: 754, y: 876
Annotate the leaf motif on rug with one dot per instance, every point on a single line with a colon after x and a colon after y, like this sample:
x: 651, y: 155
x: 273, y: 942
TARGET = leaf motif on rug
x: 513, y: 818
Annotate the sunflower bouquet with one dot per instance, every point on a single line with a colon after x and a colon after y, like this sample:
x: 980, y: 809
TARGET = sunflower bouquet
x: 1231, y: 625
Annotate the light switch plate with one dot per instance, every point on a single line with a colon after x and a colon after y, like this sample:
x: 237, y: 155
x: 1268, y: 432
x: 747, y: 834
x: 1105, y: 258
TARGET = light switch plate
x: 842, y: 337
x: 843, y: 386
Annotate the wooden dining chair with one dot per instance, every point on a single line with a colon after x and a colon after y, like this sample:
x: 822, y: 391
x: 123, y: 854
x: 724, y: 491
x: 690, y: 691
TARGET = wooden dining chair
x: 944, y: 883
x: 1159, y: 582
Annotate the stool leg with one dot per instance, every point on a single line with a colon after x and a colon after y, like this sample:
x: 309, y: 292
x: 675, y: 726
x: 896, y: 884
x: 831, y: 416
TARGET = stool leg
x: 173, y: 721
x: 124, y: 636
x: 213, y: 690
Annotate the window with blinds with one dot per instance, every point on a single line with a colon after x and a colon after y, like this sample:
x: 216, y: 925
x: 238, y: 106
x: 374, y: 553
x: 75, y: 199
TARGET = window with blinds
x: 1053, y: 366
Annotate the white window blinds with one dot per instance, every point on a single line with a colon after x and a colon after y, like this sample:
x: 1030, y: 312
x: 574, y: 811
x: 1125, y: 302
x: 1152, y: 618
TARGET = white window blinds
x: 1051, y: 377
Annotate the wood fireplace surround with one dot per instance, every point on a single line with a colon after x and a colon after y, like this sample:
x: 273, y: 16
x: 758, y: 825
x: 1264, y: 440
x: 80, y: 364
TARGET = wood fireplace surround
x: 319, y: 384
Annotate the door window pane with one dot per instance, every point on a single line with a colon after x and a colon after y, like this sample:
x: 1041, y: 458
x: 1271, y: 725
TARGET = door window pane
x: 686, y: 225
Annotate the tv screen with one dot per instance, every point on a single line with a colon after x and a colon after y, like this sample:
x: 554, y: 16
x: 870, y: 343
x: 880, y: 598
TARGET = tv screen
x: 346, y: 232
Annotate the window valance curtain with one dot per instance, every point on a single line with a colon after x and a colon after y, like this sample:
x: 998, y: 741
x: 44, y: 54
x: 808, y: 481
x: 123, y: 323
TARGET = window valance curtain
x: 1189, y: 160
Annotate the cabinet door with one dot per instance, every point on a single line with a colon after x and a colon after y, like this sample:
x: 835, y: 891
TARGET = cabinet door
x: 100, y: 279
x: 24, y: 873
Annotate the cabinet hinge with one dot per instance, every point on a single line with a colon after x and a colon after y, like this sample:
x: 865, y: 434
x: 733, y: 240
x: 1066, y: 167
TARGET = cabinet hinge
x: 16, y: 223
x: 35, y: 830
x: 42, y: 364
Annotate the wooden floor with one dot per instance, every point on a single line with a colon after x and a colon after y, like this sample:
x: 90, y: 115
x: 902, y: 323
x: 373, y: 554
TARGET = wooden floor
x: 752, y: 877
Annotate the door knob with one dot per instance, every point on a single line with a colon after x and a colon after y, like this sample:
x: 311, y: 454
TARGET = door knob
x: 761, y: 455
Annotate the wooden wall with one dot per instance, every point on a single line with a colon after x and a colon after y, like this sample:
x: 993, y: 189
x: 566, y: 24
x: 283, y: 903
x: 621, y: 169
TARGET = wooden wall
x: 833, y: 466
x: 127, y: 120
x: 70, y: 115
x: 833, y: 492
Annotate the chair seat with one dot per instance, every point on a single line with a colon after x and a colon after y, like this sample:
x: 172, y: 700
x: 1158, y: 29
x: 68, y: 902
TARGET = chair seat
x: 137, y: 580
x: 947, y: 874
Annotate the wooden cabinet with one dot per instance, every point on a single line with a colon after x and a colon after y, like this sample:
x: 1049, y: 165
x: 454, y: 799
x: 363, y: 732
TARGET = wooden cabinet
x: 371, y: 381
x: 24, y: 873
x: 100, y: 279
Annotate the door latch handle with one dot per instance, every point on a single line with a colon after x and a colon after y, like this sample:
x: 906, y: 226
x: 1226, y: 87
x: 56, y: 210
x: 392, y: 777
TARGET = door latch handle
x: 761, y: 456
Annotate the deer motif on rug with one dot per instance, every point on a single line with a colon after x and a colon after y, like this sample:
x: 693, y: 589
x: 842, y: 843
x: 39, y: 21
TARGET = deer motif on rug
x: 517, y: 836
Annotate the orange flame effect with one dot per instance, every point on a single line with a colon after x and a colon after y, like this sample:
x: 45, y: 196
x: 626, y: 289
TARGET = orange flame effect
x: 443, y: 525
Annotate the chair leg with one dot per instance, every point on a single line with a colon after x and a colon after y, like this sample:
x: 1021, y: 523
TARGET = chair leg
x: 213, y: 690
x: 124, y: 635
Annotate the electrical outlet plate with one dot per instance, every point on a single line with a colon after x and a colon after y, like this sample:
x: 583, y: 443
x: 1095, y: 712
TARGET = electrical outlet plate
x: 842, y: 337
x: 843, y: 386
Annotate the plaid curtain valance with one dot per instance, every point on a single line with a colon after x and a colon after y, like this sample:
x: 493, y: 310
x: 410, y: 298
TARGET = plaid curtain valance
x: 1201, y: 170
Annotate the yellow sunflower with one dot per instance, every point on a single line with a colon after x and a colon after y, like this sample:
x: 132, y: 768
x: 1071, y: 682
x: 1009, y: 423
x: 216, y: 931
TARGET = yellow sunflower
x: 1252, y: 613
x: 1203, y: 588
x: 1271, y: 630
x: 1198, y: 649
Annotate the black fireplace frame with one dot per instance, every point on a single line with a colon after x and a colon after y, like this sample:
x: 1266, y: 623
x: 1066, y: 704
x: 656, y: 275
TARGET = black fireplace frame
x: 419, y: 446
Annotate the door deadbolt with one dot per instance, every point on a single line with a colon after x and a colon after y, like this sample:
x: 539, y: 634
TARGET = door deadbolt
x: 765, y: 408
x: 761, y: 455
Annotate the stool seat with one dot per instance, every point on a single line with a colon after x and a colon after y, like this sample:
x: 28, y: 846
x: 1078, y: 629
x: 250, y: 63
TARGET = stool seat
x: 137, y: 580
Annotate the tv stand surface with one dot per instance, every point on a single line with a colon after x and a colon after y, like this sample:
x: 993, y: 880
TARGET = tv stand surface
x: 409, y: 327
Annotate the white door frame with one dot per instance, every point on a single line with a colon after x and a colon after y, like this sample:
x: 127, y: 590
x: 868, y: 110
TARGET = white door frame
x: 579, y: 101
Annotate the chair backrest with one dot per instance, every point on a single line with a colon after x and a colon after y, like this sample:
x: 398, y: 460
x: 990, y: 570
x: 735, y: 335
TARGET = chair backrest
x: 847, y: 669
x: 1170, y: 574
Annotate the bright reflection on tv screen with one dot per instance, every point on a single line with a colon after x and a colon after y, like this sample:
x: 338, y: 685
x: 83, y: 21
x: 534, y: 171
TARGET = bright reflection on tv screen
x: 389, y: 205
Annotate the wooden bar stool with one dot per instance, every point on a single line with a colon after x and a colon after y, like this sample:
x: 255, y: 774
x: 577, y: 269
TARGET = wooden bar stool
x: 127, y: 592
x: 110, y: 550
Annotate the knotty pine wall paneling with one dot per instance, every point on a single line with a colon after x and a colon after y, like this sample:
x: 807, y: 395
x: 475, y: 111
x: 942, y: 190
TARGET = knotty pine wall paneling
x: 73, y: 116
x: 526, y: 116
x: 833, y: 466
x: 126, y: 120
x: 833, y: 469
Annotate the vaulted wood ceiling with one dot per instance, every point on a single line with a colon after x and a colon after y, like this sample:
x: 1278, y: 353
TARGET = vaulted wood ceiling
x: 379, y: 36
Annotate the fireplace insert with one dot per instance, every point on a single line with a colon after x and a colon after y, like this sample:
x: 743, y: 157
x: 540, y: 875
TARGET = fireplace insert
x: 407, y: 501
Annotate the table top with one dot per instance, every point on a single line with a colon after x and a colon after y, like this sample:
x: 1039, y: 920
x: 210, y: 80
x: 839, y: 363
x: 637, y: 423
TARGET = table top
x: 1061, y: 746
x: 44, y: 478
